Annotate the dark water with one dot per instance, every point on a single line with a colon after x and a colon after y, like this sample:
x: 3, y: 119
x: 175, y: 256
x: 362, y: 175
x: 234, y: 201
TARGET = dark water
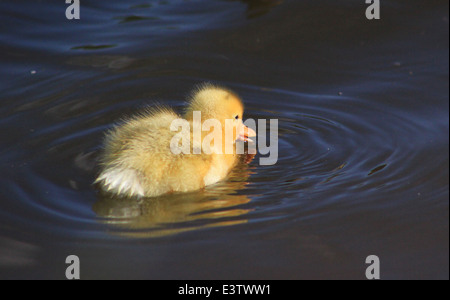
x: 363, y: 109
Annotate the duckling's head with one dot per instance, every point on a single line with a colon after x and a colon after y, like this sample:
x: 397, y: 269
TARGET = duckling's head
x: 220, y: 104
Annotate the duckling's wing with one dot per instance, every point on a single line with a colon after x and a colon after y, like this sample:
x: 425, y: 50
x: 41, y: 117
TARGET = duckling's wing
x: 129, y: 145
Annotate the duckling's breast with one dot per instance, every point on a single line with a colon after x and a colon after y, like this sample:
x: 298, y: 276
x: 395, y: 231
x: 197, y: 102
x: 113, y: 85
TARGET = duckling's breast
x: 220, y: 168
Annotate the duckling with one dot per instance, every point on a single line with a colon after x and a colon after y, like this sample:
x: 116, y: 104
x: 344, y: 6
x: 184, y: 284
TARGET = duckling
x: 138, y: 160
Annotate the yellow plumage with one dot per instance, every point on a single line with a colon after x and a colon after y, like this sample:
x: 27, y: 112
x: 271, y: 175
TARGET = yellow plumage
x: 137, y: 159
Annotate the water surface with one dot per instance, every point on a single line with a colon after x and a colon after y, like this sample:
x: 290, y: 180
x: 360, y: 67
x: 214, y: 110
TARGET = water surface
x: 363, y: 109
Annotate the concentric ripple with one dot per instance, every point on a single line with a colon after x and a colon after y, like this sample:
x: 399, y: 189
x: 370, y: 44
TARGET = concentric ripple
x: 342, y: 150
x: 336, y: 150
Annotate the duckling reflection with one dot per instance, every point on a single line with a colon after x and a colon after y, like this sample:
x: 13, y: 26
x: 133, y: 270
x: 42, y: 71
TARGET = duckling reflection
x: 217, y: 205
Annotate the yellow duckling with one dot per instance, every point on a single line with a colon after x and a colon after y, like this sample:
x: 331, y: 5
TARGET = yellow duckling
x: 138, y: 159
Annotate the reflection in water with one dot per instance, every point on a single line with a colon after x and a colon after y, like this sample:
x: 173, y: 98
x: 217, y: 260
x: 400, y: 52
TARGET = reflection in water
x: 377, y: 169
x: 256, y: 8
x: 134, y: 18
x: 16, y: 253
x: 216, y: 205
x: 100, y: 61
x: 93, y: 47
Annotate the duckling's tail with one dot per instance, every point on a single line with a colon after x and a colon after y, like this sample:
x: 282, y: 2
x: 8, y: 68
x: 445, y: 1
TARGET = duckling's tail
x: 124, y: 182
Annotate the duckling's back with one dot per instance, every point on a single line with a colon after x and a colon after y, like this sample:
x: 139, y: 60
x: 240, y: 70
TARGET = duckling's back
x: 137, y: 159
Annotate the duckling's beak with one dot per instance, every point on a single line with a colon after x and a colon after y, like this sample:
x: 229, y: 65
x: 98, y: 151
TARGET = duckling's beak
x: 246, y: 133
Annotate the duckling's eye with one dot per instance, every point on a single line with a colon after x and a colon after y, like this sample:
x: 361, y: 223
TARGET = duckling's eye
x: 237, y: 117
